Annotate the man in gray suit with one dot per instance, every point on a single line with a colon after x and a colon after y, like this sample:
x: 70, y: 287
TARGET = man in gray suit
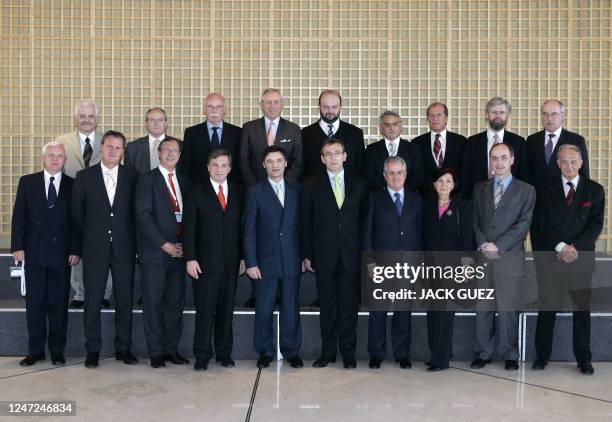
x: 503, y: 209
x: 141, y: 155
x: 271, y: 129
x: 82, y: 151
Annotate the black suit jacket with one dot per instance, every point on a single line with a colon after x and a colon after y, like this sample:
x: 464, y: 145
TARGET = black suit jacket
x: 98, y: 221
x: 155, y: 219
x: 197, y: 148
x: 538, y: 171
x: 384, y: 230
x: 579, y: 224
x: 328, y: 233
x: 288, y: 137
x: 453, y: 157
x: 137, y: 154
x: 451, y: 232
x: 45, y: 234
x: 210, y: 235
x: 312, y: 139
x: 475, y: 166
x: 377, y: 153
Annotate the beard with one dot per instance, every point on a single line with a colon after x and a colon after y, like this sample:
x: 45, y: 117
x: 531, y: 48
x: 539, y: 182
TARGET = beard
x: 497, y: 124
x: 329, y: 118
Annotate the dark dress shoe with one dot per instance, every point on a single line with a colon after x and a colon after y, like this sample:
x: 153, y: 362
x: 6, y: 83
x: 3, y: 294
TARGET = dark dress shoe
x: 30, y: 360
x: 250, y: 303
x: 175, y: 358
x: 226, y: 362
x: 200, y: 365
x: 349, y: 363
x: 586, y: 368
x: 404, y: 363
x: 264, y: 361
x: 92, y: 360
x: 511, y: 365
x: 322, y: 362
x: 106, y: 303
x: 158, y: 362
x: 434, y: 368
x: 539, y: 364
x: 127, y: 357
x: 375, y: 363
x: 315, y: 303
x: 295, y: 361
x: 76, y: 304
x: 58, y: 359
x: 427, y: 363
x: 480, y: 363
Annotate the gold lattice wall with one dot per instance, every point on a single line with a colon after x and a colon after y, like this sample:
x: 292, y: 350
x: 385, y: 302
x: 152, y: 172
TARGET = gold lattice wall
x: 130, y: 55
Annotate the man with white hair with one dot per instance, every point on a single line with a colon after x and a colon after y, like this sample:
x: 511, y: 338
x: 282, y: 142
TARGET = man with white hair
x: 83, y: 150
x: 43, y: 238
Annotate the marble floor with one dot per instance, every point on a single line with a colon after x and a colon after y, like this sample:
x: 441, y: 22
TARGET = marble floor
x: 116, y: 392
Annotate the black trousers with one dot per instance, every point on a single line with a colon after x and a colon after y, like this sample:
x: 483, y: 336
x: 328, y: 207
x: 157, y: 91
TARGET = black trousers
x: 338, y: 293
x: 47, y: 291
x: 214, y: 302
x: 95, y: 276
x: 440, y: 337
x: 400, y: 334
x: 163, y: 300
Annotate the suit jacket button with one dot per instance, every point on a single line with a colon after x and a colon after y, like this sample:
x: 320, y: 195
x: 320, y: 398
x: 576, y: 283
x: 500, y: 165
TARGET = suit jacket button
x: 340, y: 225
x: 112, y: 214
x: 109, y: 232
x: 54, y: 239
x: 281, y: 233
x: 402, y: 233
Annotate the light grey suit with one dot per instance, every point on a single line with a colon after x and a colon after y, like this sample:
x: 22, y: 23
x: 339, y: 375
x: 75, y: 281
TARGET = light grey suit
x: 506, y: 227
x: 74, y: 163
x: 253, y: 142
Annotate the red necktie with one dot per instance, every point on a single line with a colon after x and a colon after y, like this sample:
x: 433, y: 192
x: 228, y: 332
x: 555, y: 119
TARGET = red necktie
x: 437, y: 151
x: 175, y: 205
x: 569, y: 199
x: 222, y: 198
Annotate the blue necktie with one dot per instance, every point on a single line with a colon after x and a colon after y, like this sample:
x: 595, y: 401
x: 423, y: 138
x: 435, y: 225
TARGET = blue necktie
x: 215, y: 142
x: 548, y: 149
x: 51, y: 194
x: 398, y: 204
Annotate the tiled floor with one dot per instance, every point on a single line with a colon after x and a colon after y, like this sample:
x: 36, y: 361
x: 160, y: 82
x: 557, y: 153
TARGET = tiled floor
x: 117, y: 392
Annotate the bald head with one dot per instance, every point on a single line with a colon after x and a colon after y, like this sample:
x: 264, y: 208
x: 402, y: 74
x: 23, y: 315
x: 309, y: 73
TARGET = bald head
x: 214, y: 108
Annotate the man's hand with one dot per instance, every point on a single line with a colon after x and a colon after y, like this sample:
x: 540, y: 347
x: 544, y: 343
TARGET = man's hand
x: 73, y: 260
x: 172, y: 249
x: 307, y: 263
x: 19, y: 256
x: 242, y: 267
x: 489, y: 250
x: 568, y: 254
x: 193, y: 269
x: 254, y: 273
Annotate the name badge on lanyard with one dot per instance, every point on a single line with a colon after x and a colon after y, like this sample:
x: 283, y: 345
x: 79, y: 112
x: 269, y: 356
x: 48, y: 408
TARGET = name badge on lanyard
x: 179, y: 216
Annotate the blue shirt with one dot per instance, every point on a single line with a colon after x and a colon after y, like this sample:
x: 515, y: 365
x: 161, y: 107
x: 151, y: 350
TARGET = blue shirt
x: 210, y: 130
x: 505, y: 183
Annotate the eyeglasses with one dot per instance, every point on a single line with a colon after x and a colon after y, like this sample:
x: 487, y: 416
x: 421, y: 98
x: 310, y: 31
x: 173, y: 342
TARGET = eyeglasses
x: 161, y: 120
x: 553, y: 114
x: 392, y: 124
x: 174, y: 150
x: 86, y: 117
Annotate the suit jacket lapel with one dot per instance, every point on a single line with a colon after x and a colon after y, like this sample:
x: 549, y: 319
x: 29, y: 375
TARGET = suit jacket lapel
x: 99, y: 179
x: 261, y: 128
x: 280, y: 131
x: 487, y: 197
x: 75, y: 145
x: 507, y: 195
x: 210, y: 190
x: 272, y: 198
x: 162, y: 188
x: 95, y: 156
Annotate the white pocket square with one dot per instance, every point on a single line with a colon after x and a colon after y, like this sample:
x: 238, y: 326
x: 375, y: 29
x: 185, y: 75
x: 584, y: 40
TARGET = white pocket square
x: 286, y: 140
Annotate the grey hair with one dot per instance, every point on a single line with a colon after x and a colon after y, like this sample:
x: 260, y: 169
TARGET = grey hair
x: 570, y: 147
x: 270, y: 91
x: 559, y: 102
x: 86, y: 103
x: 53, y: 144
x: 495, y: 101
x: 392, y: 160
x: 389, y: 113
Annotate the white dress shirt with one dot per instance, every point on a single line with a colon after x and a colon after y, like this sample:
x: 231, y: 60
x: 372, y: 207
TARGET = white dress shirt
x: 325, y: 126
x: 92, y: 140
x: 396, y: 142
x: 177, y: 188
x: 56, y: 182
x: 442, y: 144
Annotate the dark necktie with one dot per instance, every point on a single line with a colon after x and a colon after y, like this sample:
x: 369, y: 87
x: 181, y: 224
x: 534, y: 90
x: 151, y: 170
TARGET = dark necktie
x: 330, y: 132
x: 51, y: 193
x: 215, y: 143
x: 548, y: 149
x: 87, y: 152
x: 437, y: 151
x: 398, y: 204
x: 569, y: 199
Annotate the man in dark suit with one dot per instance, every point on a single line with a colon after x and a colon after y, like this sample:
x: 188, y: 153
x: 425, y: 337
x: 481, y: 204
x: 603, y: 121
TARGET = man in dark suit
x: 102, y: 209
x: 475, y: 166
x: 41, y: 230
x: 390, y: 124
x: 502, y: 212
x: 439, y: 147
x: 393, y: 224
x: 571, y: 218
x: 271, y: 129
x: 141, y: 155
x: 212, y: 248
x: 330, y: 126
x: 542, y: 148
x: 158, y: 206
x: 214, y: 133
x: 333, y: 209
x: 271, y: 249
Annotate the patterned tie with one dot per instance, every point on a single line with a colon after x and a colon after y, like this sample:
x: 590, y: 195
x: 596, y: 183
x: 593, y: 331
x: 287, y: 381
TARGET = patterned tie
x: 549, y: 147
x: 87, y: 152
x: 499, y: 192
x: 175, y: 204
x: 270, y: 135
x: 330, y: 132
x: 437, y: 151
x: 569, y: 199
x: 496, y: 141
x: 154, y: 156
x: 221, y: 197
x: 338, y: 191
x: 51, y: 193
x: 398, y: 204
x: 214, y: 141
x: 111, y: 186
x: 392, y: 149
x: 279, y: 193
